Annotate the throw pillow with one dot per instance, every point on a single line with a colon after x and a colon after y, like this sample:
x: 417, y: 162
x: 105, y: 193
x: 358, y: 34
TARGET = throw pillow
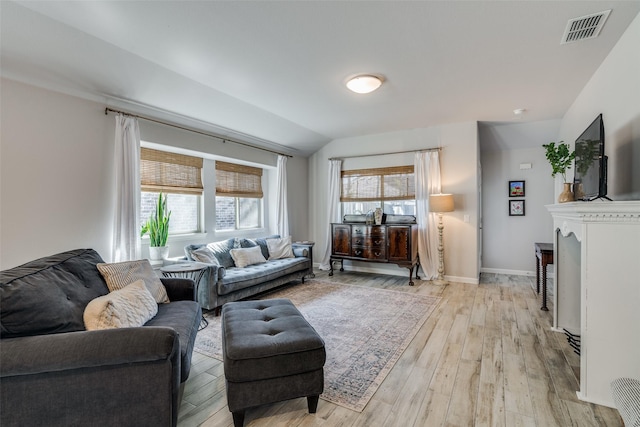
x: 247, y: 256
x: 120, y: 274
x: 280, y: 248
x: 221, y: 250
x: 262, y: 242
x: 129, y: 307
x: 204, y: 254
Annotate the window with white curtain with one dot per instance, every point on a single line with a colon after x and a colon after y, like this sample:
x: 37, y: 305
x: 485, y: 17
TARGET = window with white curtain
x: 390, y: 188
x: 239, y: 196
x: 180, y: 178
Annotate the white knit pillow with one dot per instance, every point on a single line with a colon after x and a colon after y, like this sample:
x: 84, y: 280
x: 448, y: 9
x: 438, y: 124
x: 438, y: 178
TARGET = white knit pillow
x: 120, y: 274
x: 129, y: 307
x: 280, y: 248
x: 247, y: 256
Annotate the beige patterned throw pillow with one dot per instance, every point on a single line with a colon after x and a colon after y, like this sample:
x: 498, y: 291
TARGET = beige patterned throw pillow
x: 280, y: 248
x: 129, y: 307
x: 120, y: 274
x: 247, y: 256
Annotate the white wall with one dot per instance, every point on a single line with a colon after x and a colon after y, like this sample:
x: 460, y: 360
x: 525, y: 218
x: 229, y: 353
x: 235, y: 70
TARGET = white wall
x: 508, y: 240
x: 56, y: 175
x: 458, y: 163
x: 614, y: 91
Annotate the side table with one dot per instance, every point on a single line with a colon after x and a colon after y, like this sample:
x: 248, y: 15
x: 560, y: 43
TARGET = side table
x: 308, y: 246
x: 544, y: 257
x: 192, y: 270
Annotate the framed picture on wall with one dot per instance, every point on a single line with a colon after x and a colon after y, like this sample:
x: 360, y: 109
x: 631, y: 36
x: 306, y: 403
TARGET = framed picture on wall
x: 516, y: 188
x: 516, y: 207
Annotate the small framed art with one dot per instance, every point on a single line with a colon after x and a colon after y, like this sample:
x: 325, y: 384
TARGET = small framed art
x: 516, y: 207
x: 516, y: 188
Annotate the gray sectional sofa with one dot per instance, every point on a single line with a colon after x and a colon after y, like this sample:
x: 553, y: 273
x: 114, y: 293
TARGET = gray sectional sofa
x: 224, y: 282
x: 53, y: 372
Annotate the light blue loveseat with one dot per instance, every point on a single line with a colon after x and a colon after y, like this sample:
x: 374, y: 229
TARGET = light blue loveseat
x: 225, y: 282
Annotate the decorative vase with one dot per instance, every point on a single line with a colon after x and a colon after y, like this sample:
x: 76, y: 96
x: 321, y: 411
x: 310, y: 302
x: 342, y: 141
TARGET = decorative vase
x: 157, y: 253
x: 377, y: 215
x: 566, y: 195
x: 578, y: 191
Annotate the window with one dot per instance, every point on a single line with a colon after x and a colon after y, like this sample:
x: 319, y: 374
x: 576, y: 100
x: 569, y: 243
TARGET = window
x: 238, y: 196
x: 179, y: 177
x: 392, y: 189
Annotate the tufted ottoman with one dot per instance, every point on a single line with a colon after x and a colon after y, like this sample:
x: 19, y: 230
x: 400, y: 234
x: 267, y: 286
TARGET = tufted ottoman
x: 271, y: 353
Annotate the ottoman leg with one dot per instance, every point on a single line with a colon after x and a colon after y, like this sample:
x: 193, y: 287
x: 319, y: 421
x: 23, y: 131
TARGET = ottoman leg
x: 238, y: 419
x: 312, y: 402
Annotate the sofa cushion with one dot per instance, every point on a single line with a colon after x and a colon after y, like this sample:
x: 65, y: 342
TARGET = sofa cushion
x: 120, y: 274
x: 129, y: 307
x: 241, y: 278
x: 222, y: 251
x: 280, y: 248
x: 48, y: 295
x: 243, y: 257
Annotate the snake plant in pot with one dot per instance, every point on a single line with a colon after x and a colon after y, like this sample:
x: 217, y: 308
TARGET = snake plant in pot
x: 560, y: 157
x: 157, y: 226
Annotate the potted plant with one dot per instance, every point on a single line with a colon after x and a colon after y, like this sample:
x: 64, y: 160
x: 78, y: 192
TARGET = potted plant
x: 157, y: 226
x: 560, y: 157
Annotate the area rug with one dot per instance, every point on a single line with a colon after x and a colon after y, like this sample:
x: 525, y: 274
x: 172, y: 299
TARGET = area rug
x: 365, y: 330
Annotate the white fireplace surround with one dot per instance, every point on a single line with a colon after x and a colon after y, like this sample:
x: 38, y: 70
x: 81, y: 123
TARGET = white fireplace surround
x: 597, y: 257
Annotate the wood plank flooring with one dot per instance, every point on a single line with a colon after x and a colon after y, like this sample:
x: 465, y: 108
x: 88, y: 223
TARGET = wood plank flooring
x: 485, y: 357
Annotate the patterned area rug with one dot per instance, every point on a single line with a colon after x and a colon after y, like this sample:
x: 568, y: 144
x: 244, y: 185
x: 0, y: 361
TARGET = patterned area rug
x: 365, y: 331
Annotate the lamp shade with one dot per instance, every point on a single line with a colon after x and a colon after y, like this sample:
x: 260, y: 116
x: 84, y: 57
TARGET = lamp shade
x: 364, y: 83
x: 441, y: 202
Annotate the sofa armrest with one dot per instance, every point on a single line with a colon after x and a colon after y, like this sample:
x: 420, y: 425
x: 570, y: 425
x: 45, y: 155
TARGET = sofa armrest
x: 179, y: 289
x: 300, y: 251
x: 120, y: 376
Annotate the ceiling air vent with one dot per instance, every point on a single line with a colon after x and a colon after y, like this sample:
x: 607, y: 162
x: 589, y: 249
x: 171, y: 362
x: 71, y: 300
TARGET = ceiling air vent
x: 584, y: 27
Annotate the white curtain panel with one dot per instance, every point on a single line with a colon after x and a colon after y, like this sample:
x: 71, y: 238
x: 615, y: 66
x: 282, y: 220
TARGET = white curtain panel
x: 333, y: 213
x: 126, y: 230
x: 427, y: 175
x: 282, y: 211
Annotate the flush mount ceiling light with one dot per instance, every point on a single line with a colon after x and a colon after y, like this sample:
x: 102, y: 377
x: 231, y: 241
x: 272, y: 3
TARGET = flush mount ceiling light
x: 364, y: 83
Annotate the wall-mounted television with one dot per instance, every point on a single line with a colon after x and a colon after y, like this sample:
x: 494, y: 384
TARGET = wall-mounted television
x: 590, y: 169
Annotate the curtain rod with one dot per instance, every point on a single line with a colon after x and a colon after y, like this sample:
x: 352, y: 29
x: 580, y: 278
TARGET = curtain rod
x: 224, y: 140
x: 384, y: 154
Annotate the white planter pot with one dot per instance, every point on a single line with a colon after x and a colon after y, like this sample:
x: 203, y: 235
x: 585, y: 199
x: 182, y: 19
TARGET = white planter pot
x: 158, y: 252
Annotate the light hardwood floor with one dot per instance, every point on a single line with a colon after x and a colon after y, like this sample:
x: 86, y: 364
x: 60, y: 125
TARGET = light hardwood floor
x: 485, y: 357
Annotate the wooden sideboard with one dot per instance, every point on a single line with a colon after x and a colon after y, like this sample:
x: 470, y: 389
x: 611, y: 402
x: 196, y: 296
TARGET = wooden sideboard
x: 395, y: 244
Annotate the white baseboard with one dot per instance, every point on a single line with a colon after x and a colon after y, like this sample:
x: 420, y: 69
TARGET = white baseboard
x: 513, y: 272
x: 398, y: 271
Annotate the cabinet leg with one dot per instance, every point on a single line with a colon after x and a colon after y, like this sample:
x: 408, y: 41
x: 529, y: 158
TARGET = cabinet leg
x: 341, y: 265
x: 411, y: 275
x: 330, y: 267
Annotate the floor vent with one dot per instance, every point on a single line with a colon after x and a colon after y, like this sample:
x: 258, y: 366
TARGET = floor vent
x: 584, y: 27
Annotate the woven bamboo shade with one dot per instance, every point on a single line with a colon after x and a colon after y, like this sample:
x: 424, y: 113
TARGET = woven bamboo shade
x: 233, y: 180
x: 368, y: 185
x: 161, y: 171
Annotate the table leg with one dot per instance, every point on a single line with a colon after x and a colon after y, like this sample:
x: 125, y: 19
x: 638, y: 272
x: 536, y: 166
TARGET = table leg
x: 537, y: 275
x: 544, y: 288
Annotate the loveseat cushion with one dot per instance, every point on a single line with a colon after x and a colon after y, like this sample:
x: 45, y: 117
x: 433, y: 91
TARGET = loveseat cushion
x: 49, y: 295
x: 184, y: 317
x: 236, y: 279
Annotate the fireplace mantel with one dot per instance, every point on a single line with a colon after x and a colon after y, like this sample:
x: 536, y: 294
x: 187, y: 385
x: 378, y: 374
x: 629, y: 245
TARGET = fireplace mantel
x: 597, y: 253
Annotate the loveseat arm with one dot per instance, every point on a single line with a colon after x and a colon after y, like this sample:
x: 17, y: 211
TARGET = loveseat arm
x: 179, y: 289
x: 125, y: 376
x: 300, y: 251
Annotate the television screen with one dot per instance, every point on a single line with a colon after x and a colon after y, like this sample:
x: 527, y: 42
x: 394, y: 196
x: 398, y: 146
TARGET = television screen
x: 590, y: 173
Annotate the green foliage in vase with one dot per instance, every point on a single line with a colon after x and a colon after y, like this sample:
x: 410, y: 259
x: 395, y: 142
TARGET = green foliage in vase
x: 560, y: 158
x: 158, y: 224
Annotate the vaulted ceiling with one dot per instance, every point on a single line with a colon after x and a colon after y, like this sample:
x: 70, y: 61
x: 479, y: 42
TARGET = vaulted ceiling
x: 273, y: 72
